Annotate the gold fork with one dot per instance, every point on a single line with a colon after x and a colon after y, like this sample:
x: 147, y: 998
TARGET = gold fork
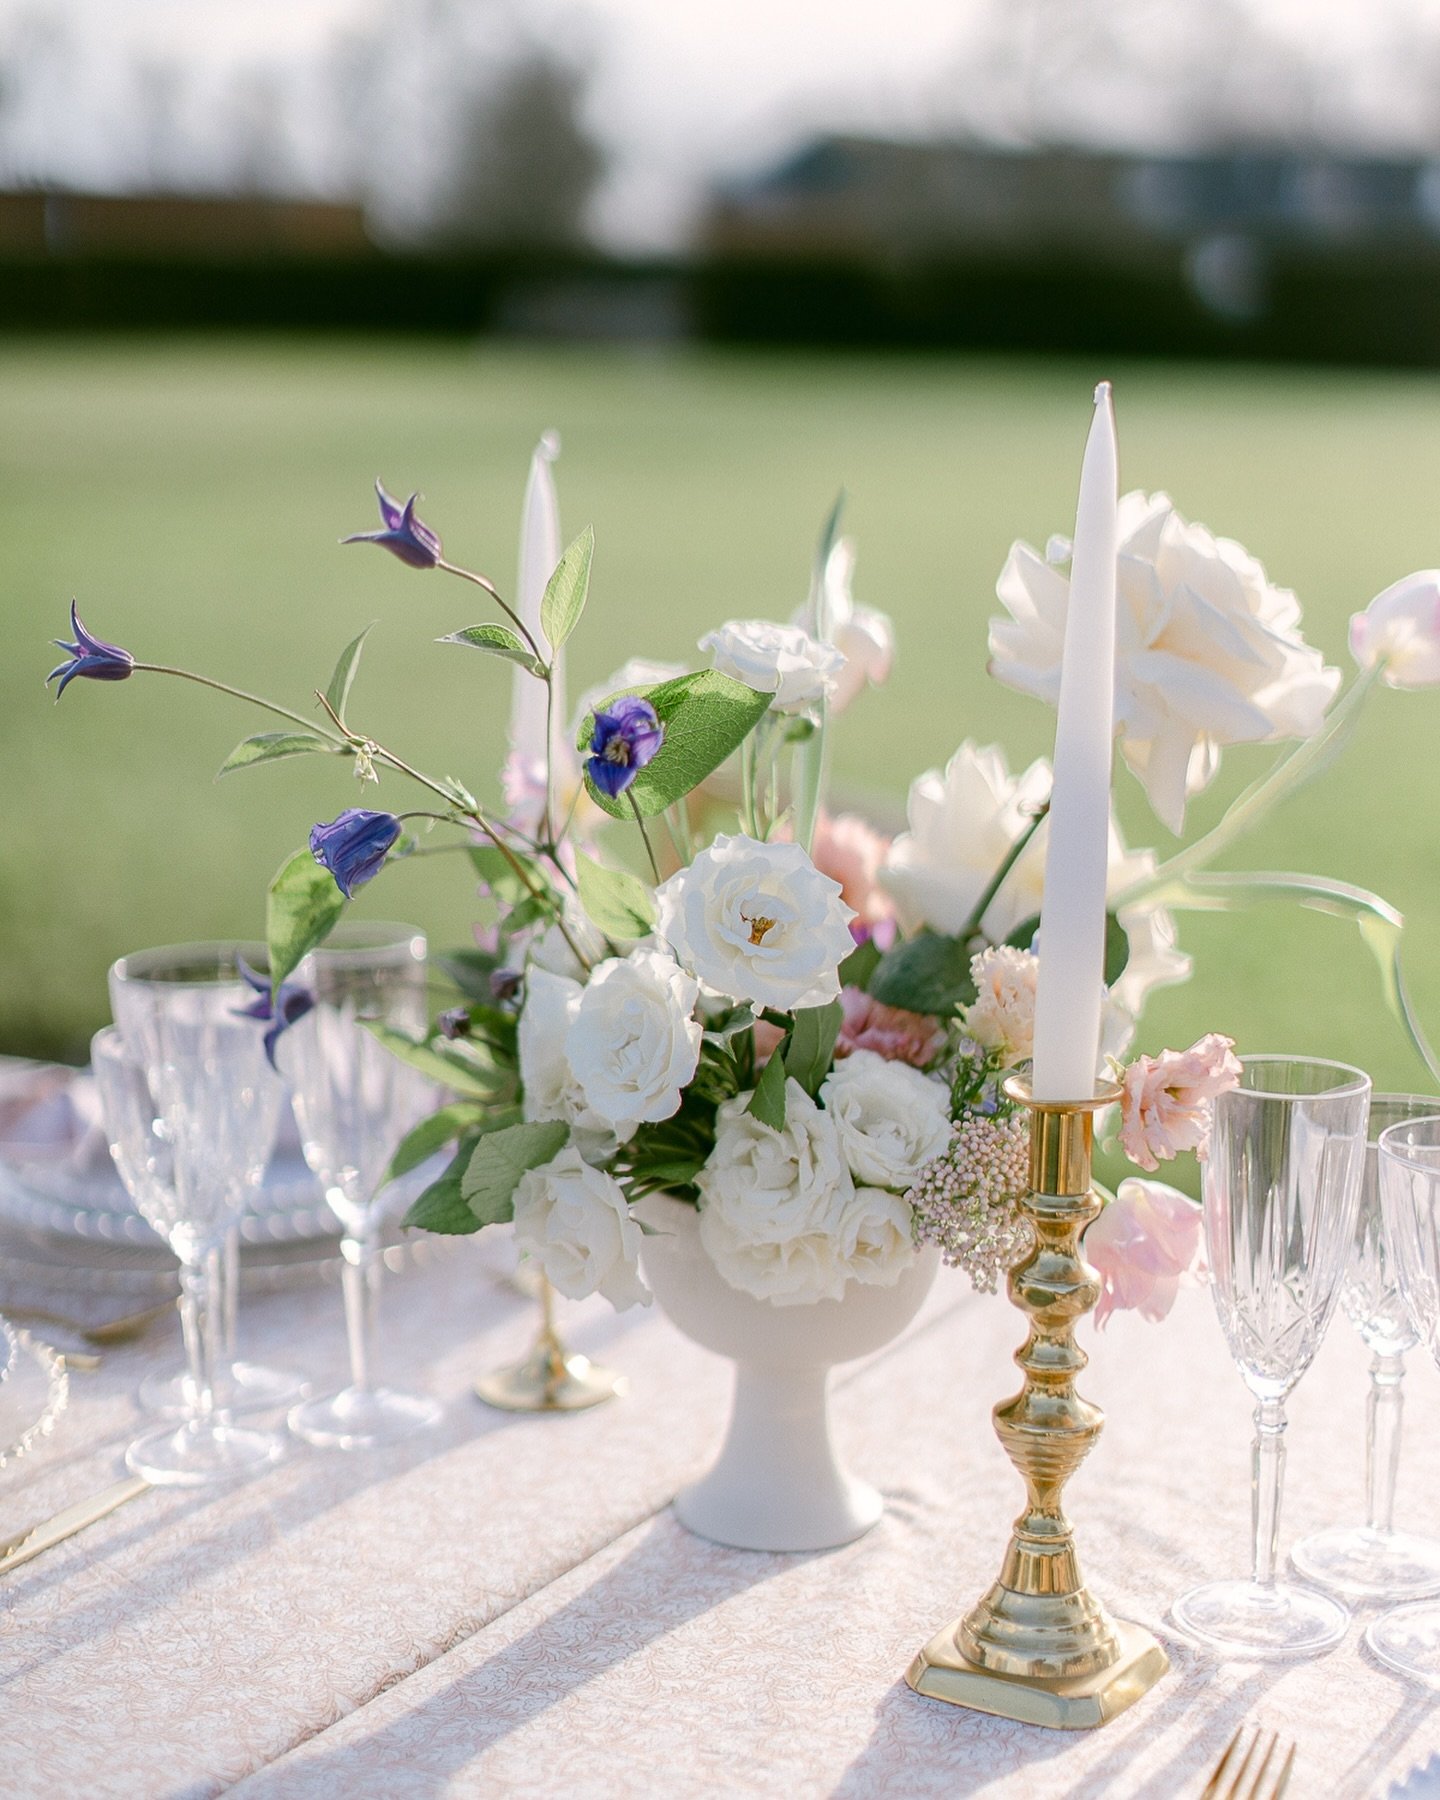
x: 1238, y: 1776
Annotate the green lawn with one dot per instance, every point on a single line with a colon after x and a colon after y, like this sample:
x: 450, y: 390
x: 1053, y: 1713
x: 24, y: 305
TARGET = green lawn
x: 191, y: 494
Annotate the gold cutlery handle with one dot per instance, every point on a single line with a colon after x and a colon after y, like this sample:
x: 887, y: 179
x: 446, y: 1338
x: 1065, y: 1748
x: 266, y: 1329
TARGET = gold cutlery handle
x: 27, y: 1544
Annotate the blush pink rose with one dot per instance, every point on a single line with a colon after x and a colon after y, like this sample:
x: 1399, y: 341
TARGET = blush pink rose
x: 1165, y: 1107
x: 889, y: 1031
x: 1141, y: 1245
x: 850, y: 851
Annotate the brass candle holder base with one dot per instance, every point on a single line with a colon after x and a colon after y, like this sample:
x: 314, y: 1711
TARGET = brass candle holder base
x: 550, y: 1378
x: 1039, y: 1647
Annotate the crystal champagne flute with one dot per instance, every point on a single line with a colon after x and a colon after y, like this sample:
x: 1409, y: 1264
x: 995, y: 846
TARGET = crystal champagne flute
x: 1282, y: 1184
x: 354, y: 1101
x: 1408, y: 1639
x: 213, y: 1103
x: 1374, y: 1560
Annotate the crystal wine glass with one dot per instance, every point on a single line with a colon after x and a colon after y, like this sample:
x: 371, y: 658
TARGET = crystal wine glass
x: 1282, y: 1184
x: 191, y: 1107
x: 1408, y: 1639
x: 1373, y: 1560
x: 354, y: 1101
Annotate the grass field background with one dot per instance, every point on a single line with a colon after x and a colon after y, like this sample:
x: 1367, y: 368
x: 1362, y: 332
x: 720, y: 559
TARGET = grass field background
x: 190, y: 496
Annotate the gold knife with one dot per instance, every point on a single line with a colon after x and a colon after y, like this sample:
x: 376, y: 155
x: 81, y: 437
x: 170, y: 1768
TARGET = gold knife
x: 25, y: 1544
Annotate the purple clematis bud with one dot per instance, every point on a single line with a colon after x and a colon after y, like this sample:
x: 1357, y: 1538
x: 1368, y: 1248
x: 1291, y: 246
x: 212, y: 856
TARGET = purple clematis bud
x: 354, y: 846
x: 454, y: 1022
x: 404, y: 535
x: 90, y: 656
x: 626, y: 736
x: 293, y: 1002
x: 505, y: 985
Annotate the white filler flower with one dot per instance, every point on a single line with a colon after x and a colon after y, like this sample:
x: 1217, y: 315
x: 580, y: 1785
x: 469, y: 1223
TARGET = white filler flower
x: 1208, y: 651
x: 758, y: 922
x: 632, y: 1043
x: 890, y: 1118
x: 783, y: 660
x: 576, y: 1222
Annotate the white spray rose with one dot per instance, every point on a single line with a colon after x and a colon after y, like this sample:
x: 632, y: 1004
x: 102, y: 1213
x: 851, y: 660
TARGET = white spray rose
x: 1208, y: 651
x: 632, y: 1043
x: 758, y: 922
x: 1400, y: 631
x: 890, y: 1118
x: 882, y: 1242
x: 863, y: 636
x: 783, y: 660
x: 552, y: 1091
x: 576, y: 1222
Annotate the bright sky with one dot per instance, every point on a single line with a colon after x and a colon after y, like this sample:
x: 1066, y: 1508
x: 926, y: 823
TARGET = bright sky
x: 680, y: 88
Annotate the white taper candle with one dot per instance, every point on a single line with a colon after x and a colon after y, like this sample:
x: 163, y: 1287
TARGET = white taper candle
x: 1072, y: 913
x: 540, y: 549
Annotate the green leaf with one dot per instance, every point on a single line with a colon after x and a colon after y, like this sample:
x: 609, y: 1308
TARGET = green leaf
x: 1117, y: 943
x: 471, y: 970
x: 619, y: 904
x: 860, y: 965
x: 767, y: 1103
x: 567, y: 590
x: 929, y: 974
x: 706, y: 718
x: 498, y: 872
x: 270, y: 746
x: 499, y: 640
x: 424, y: 1139
x: 443, y: 1207
x: 500, y: 1159
x: 468, y: 1075
x: 811, y: 1044
x: 301, y: 908
x: 337, y: 695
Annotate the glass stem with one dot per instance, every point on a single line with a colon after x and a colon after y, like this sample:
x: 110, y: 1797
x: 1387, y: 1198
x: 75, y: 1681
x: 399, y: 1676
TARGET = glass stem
x: 201, y: 1309
x: 1383, y: 1413
x: 360, y: 1271
x: 1267, y: 1478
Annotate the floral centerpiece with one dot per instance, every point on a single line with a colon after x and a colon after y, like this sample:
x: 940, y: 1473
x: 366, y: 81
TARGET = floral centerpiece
x: 697, y: 982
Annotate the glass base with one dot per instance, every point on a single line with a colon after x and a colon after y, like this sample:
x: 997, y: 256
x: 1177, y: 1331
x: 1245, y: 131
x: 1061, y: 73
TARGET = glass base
x: 1370, y: 1565
x: 363, y: 1418
x: 550, y: 1379
x: 198, y: 1455
x: 1408, y: 1641
x: 1247, y: 1621
x: 249, y: 1388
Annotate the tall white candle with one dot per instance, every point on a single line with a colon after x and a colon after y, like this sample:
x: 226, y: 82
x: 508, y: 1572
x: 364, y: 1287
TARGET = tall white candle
x: 540, y: 549
x: 1072, y: 914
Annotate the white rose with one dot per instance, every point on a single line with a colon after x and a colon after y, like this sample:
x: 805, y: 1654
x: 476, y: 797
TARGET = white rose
x: 773, y: 1204
x: 1208, y: 652
x: 1400, y: 631
x: 1002, y: 1014
x: 576, y: 1222
x: 758, y: 922
x: 882, y: 1245
x: 783, y: 660
x: 863, y: 636
x: 964, y: 821
x: 551, y: 1089
x: 632, y: 1043
x: 890, y: 1118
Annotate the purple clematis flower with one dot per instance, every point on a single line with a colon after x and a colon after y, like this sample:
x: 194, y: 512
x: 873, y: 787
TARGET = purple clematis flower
x: 626, y: 736
x: 454, y: 1022
x: 90, y: 657
x: 404, y: 535
x: 354, y: 846
x: 292, y: 1003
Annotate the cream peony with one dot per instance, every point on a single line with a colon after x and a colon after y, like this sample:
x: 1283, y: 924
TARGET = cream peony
x: 774, y: 1204
x: 1208, y: 652
x: 633, y: 1042
x: 890, y: 1118
x: 1400, y: 631
x: 1002, y: 1014
x: 576, y: 1222
x: 757, y: 922
x: 964, y: 821
x: 783, y: 660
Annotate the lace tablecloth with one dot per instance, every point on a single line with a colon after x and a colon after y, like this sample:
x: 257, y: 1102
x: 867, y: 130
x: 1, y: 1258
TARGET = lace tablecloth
x: 507, y: 1607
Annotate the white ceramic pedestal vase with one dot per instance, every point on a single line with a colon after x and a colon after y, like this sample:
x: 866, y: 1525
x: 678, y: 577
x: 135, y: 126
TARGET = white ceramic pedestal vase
x: 776, y: 1484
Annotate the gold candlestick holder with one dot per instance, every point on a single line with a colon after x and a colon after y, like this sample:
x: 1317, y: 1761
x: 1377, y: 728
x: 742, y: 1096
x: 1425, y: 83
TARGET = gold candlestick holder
x: 1039, y: 1647
x: 549, y: 1378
